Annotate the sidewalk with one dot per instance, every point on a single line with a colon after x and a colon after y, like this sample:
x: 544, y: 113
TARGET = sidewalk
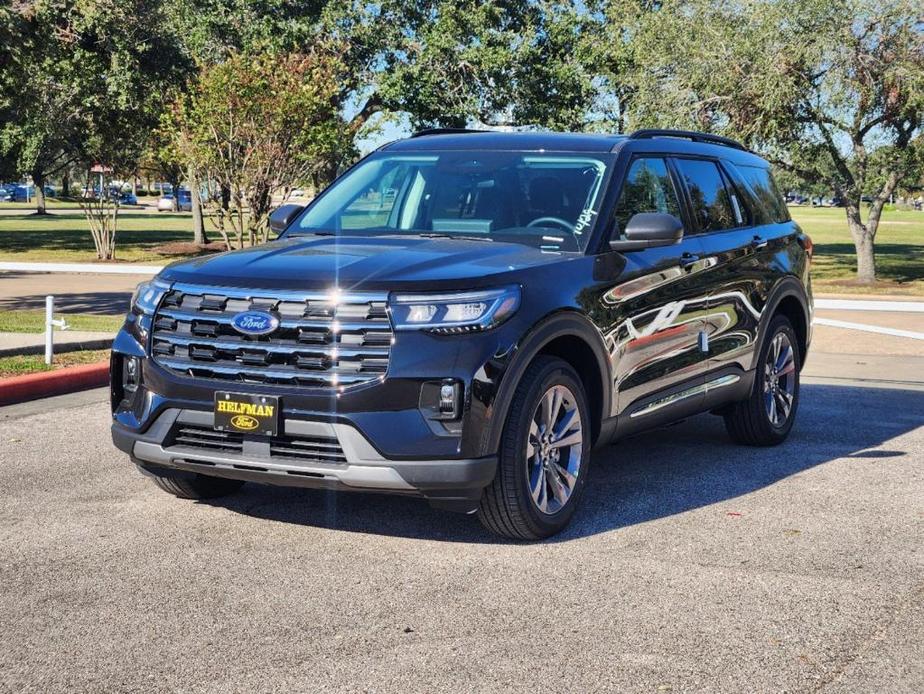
x: 12, y: 344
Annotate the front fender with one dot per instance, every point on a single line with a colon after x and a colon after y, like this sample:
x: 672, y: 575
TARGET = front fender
x: 564, y: 323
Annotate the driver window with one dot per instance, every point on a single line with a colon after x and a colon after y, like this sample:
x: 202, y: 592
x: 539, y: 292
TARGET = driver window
x: 647, y: 188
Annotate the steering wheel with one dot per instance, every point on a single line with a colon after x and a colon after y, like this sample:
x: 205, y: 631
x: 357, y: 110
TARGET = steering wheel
x: 539, y: 221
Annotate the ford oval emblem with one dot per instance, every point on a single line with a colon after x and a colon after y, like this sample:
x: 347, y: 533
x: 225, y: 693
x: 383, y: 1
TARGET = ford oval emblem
x: 255, y: 323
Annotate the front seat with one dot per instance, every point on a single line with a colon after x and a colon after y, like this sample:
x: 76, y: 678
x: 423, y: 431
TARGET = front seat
x: 546, y: 198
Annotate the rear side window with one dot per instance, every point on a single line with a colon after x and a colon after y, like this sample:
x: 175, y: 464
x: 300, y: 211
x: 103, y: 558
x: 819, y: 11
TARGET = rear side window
x: 648, y: 188
x: 715, y: 206
x: 769, y: 202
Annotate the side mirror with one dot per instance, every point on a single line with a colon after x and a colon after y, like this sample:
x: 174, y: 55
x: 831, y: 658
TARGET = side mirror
x: 647, y: 230
x: 282, y: 217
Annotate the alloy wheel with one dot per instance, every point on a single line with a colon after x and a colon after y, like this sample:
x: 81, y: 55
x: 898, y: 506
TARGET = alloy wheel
x: 779, y: 379
x: 553, y: 449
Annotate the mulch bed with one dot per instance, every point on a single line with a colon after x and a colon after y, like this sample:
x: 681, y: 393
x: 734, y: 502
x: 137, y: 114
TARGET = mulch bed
x: 189, y: 248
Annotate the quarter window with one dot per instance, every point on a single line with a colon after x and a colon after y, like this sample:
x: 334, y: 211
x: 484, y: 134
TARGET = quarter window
x: 715, y: 206
x: 648, y: 188
x: 769, y: 200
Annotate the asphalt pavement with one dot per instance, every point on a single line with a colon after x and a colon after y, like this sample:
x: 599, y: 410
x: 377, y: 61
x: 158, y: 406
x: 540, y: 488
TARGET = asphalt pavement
x: 693, y: 565
x: 106, y: 295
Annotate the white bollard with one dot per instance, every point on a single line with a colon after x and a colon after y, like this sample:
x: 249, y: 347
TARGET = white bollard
x: 49, y: 327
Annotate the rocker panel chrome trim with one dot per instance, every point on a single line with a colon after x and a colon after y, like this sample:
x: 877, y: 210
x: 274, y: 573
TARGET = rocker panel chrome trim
x: 702, y: 389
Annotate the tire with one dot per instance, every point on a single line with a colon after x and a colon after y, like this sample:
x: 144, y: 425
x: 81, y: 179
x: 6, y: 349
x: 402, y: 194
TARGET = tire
x: 752, y: 422
x: 508, y: 506
x: 198, y: 487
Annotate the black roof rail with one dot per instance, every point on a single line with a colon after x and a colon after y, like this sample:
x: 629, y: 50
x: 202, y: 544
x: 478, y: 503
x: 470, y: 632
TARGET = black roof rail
x: 446, y: 131
x: 687, y: 135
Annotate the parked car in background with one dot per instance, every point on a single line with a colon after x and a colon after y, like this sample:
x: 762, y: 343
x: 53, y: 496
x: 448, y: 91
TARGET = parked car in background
x: 521, y: 298
x: 5, y: 194
x: 24, y: 193
x: 165, y: 203
x: 128, y: 198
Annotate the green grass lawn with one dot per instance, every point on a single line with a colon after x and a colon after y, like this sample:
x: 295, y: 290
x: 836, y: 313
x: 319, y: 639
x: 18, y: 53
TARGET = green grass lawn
x: 899, y: 251
x: 34, y: 363
x: 34, y: 322
x: 65, y: 236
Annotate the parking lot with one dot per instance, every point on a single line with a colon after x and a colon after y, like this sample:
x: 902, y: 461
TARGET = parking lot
x: 694, y: 565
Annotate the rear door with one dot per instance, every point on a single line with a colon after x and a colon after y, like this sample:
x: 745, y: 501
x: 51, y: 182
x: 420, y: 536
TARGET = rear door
x: 734, y: 247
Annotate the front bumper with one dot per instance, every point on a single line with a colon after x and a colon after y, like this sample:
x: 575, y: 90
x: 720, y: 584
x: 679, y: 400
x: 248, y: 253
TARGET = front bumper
x: 448, y: 483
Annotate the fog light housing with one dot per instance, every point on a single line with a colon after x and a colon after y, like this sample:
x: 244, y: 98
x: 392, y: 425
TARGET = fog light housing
x: 442, y: 400
x: 449, y: 400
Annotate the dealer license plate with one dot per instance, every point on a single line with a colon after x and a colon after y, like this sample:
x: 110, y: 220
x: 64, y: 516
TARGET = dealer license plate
x: 247, y: 414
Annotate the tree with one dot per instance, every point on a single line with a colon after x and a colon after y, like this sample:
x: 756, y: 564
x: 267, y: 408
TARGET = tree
x: 440, y: 62
x: 257, y: 124
x: 818, y: 85
x: 42, y: 94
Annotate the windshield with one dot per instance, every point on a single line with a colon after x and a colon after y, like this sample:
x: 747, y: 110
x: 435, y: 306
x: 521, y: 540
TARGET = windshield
x: 548, y: 201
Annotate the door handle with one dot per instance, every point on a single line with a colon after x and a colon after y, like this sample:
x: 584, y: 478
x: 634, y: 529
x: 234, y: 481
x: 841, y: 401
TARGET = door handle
x: 688, y: 260
x: 758, y: 242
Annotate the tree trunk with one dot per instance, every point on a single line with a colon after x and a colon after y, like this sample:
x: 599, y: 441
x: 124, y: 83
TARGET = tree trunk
x: 38, y: 181
x: 65, y: 185
x: 199, y: 237
x: 863, y: 240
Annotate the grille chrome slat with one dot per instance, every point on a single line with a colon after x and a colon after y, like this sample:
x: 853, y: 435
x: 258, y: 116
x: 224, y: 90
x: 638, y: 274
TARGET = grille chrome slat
x: 290, y: 323
x: 322, y: 341
x: 258, y: 374
x: 281, y: 347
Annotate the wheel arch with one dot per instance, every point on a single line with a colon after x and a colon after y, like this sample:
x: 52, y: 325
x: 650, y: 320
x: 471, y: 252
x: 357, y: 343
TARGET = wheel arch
x: 790, y: 299
x: 571, y: 337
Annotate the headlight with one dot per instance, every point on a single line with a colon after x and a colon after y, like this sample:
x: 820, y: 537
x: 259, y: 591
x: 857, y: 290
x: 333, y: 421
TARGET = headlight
x: 148, y: 295
x: 456, y: 312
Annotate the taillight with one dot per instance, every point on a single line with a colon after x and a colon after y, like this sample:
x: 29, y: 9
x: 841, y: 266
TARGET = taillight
x: 808, y: 245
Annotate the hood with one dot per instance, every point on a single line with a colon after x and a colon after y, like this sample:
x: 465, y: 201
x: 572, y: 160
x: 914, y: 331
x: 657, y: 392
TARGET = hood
x: 310, y: 262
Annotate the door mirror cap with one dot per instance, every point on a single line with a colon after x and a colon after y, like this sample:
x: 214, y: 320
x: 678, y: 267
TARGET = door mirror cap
x: 648, y: 230
x: 282, y: 217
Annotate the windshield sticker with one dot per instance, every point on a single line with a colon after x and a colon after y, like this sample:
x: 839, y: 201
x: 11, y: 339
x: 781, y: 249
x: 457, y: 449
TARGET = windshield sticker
x: 584, y: 220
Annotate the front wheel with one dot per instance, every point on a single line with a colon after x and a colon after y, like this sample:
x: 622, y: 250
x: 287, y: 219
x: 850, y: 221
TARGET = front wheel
x: 544, y: 455
x: 767, y: 416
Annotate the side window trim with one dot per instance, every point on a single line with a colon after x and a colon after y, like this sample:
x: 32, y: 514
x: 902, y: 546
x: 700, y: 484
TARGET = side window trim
x: 742, y: 214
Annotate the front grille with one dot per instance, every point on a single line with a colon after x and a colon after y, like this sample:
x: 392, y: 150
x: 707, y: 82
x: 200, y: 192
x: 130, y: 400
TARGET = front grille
x: 320, y: 341
x: 312, y: 449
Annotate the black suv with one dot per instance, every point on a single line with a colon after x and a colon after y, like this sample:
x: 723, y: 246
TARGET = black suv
x: 464, y: 315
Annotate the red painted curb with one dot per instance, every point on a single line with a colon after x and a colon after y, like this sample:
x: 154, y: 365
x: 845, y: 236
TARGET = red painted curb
x: 41, y: 385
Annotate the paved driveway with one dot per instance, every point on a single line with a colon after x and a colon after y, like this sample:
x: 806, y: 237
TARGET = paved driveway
x: 694, y: 565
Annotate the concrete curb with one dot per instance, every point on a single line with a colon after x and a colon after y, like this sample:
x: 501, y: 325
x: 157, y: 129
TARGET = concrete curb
x: 41, y: 385
x: 91, y: 268
x: 59, y: 348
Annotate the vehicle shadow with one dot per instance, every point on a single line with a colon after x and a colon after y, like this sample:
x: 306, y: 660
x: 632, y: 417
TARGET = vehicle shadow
x: 650, y: 476
x: 102, y: 303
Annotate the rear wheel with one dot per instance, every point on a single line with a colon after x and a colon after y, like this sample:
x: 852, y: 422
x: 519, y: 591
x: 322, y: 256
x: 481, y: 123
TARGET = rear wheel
x: 197, y: 487
x: 544, y: 455
x: 767, y: 416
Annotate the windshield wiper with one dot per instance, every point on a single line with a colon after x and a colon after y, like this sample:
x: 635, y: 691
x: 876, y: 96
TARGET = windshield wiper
x: 442, y: 235
x: 312, y: 233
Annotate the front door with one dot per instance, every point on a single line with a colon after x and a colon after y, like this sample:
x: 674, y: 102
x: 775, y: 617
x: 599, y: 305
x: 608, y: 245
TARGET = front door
x: 654, y: 312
